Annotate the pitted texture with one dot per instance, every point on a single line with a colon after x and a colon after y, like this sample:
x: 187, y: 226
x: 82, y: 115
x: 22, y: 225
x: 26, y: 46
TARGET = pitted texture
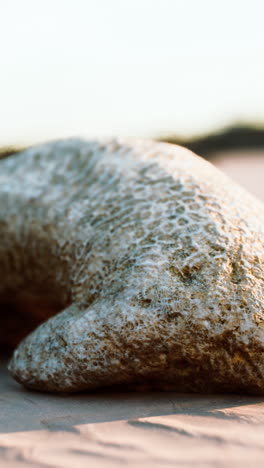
x: 154, y: 257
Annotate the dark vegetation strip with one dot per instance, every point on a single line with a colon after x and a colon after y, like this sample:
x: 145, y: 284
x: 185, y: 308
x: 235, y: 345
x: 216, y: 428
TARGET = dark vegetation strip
x: 5, y: 152
x: 235, y: 137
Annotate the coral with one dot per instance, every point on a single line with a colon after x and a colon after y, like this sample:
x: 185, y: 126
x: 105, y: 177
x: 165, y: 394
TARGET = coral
x: 148, y: 260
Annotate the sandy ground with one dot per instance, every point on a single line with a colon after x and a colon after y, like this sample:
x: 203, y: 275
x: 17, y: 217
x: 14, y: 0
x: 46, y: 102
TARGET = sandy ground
x: 246, y: 167
x: 129, y: 429
x: 152, y: 430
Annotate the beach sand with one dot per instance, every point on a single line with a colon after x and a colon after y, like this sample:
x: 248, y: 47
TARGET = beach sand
x: 128, y: 429
x: 104, y: 430
x: 245, y: 167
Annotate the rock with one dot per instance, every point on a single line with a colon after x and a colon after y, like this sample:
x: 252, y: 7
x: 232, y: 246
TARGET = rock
x: 154, y: 258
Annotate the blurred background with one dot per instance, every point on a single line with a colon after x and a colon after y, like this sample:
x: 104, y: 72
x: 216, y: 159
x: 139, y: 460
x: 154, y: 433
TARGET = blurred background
x: 189, y: 72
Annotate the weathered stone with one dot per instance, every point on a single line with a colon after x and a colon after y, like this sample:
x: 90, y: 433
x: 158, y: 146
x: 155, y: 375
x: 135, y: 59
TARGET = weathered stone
x: 154, y: 258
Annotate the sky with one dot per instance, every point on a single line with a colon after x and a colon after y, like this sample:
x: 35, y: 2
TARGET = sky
x: 128, y: 67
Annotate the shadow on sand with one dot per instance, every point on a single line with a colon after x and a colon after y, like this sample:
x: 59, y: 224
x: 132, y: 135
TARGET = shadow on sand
x: 23, y: 410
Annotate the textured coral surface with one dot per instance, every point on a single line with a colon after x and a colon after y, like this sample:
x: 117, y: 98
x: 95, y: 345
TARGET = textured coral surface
x: 154, y: 258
